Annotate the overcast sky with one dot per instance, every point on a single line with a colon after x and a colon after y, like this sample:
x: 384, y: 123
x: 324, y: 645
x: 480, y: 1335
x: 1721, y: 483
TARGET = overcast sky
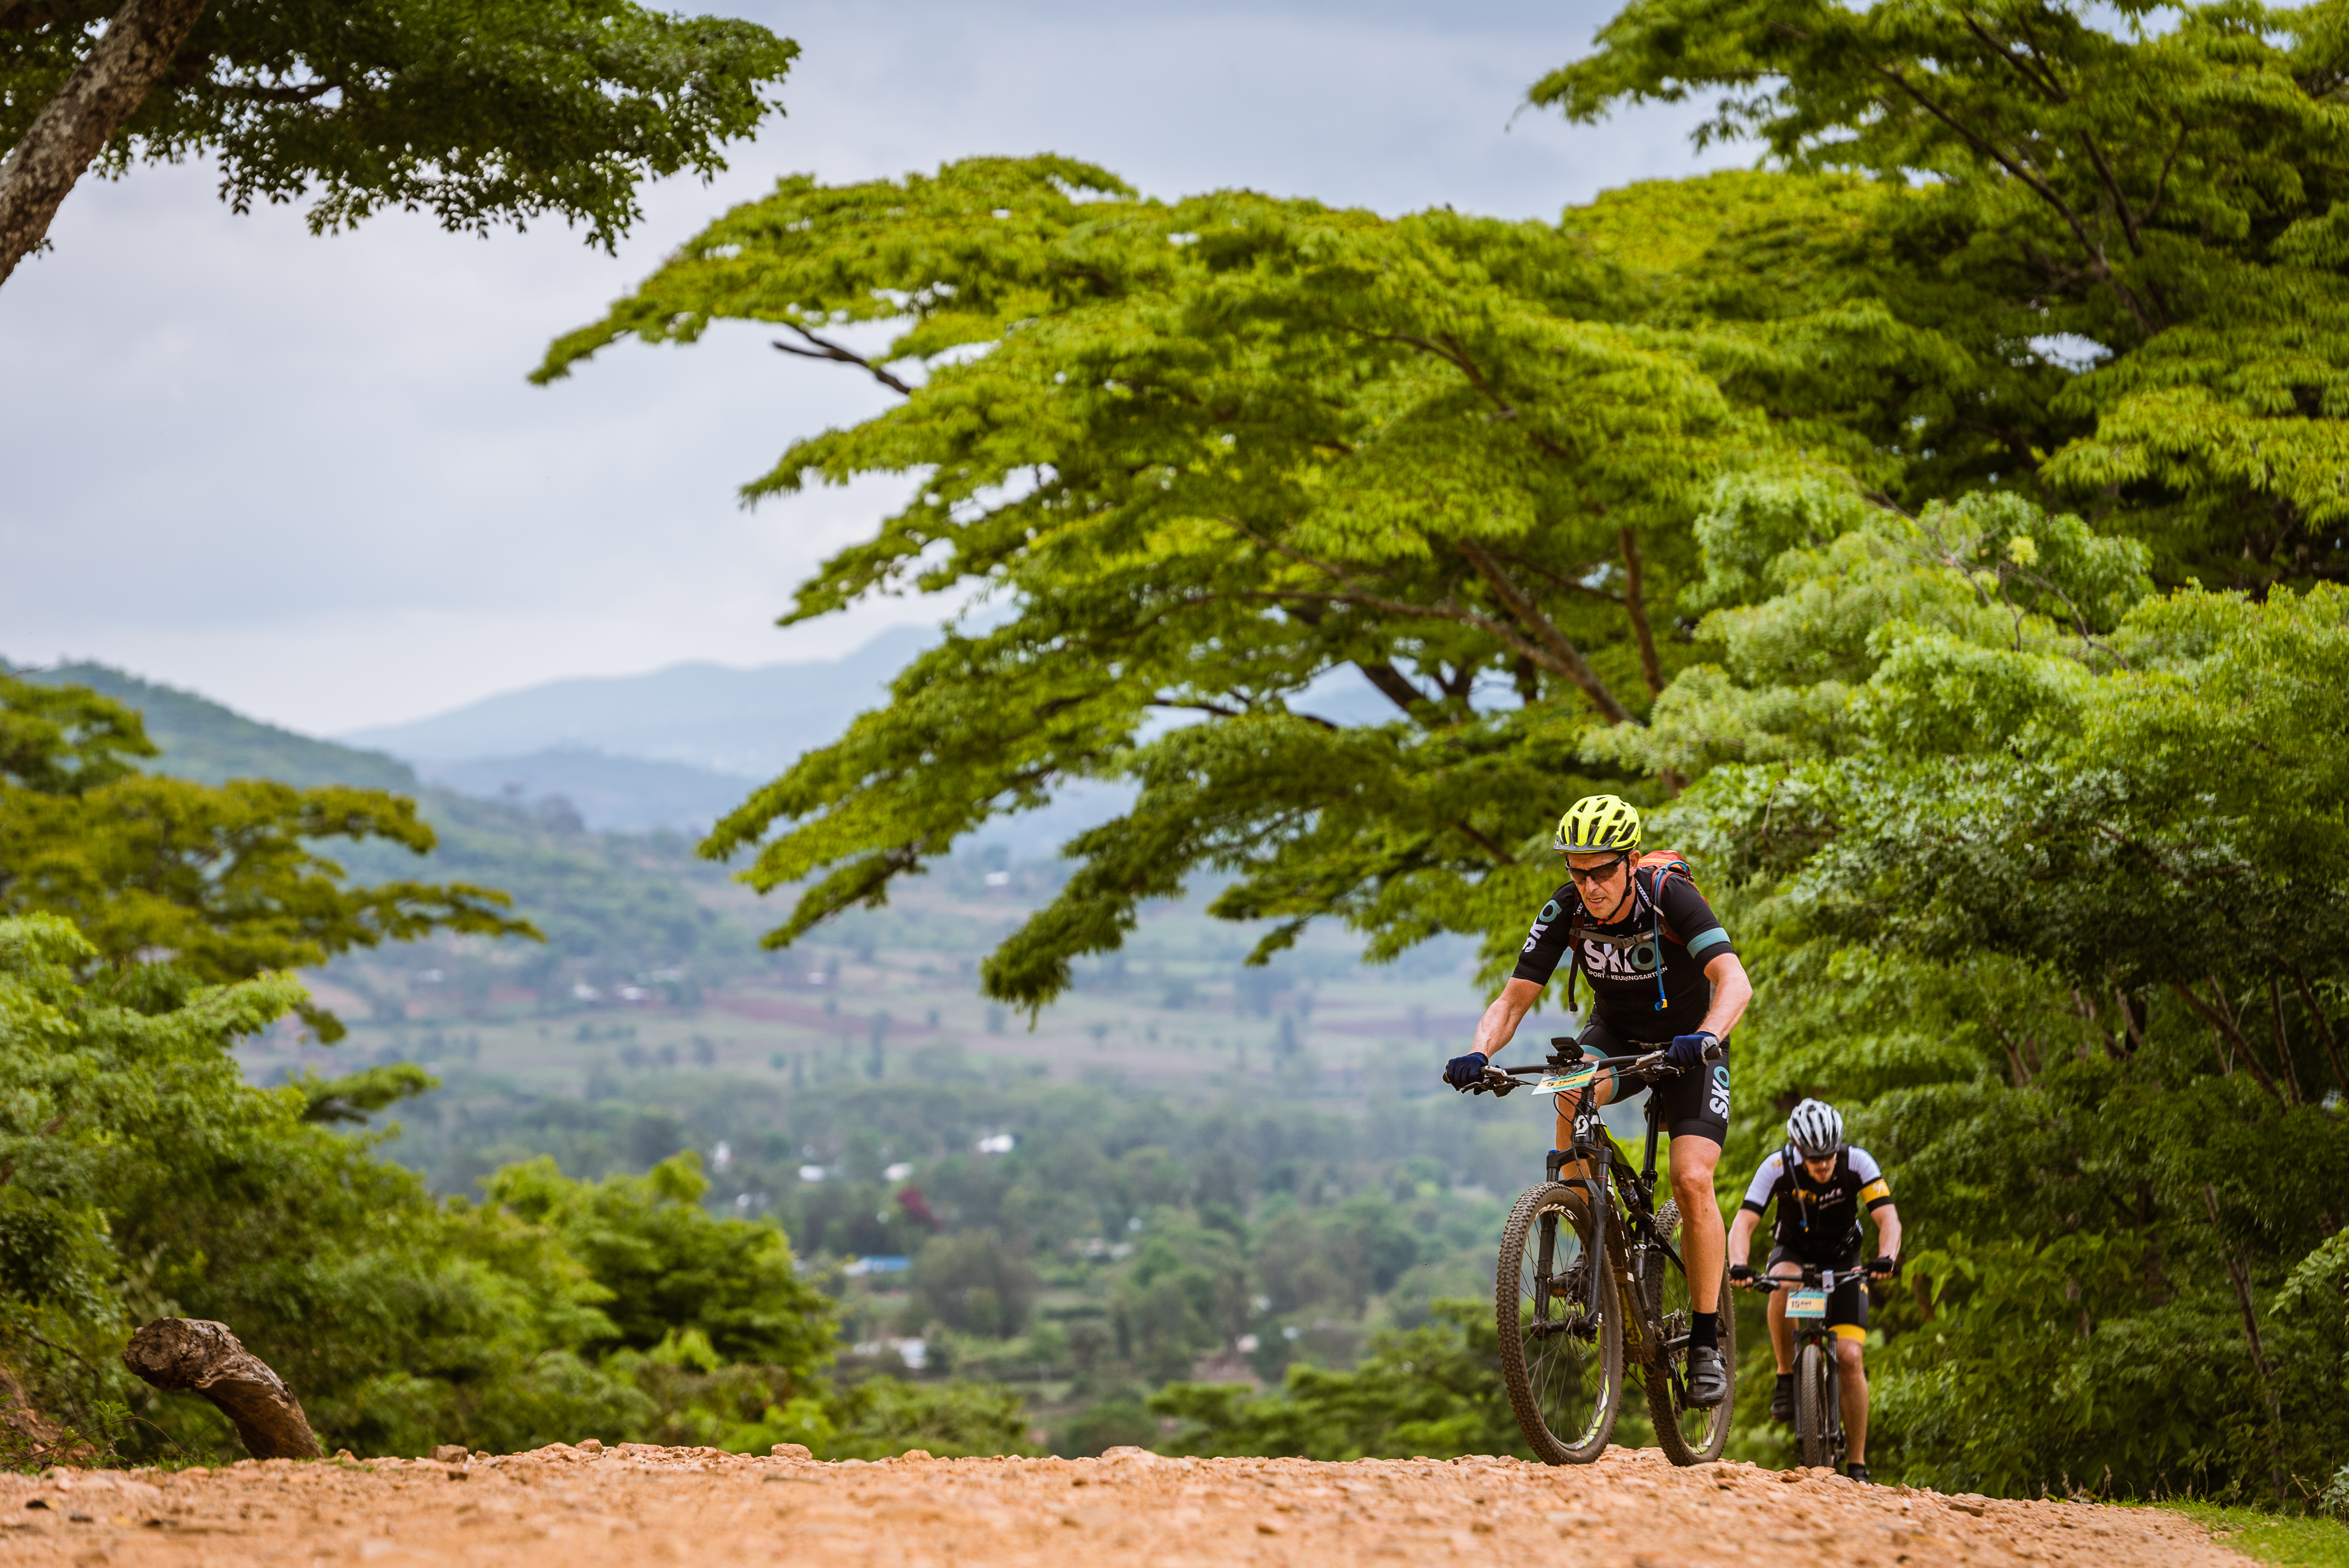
x: 306, y: 477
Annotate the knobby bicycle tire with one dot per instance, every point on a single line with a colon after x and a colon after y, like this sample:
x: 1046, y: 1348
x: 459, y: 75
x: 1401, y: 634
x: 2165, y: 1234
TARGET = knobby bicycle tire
x: 1687, y: 1434
x: 1570, y: 1380
x: 1812, y: 1367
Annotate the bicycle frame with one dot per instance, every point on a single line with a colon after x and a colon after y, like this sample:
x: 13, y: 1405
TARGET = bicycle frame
x: 1628, y: 1222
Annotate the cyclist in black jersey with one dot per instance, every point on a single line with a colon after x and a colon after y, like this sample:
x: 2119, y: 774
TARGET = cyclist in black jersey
x: 1821, y: 1186
x: 1663, y: 975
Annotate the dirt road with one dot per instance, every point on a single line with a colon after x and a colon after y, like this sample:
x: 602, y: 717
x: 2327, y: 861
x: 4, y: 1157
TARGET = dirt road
x: 581, y: 1508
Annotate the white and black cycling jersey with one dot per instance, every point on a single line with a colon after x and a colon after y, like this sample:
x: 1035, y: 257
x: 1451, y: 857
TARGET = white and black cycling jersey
x: 1818, y: 1221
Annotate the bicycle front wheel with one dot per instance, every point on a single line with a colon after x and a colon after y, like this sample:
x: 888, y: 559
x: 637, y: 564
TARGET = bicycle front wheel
x: 1813, y: 1369
x: 1560, y: 1326
x: 1687, y: 1434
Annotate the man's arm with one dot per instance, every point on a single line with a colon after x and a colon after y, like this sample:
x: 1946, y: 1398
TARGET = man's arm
x: 1499, y: 1025
x: 1741, y: 1236
x: 1731, y: 991
x: 1888, y: 1231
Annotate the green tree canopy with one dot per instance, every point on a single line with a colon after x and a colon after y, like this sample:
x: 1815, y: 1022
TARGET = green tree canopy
x: 223, y: 879
x: 481, y: 115
x: 1218, y: 449
x: 2160, y: 186
x: 672, y: 1267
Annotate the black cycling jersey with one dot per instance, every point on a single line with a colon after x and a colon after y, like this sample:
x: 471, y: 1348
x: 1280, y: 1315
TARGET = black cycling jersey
x: 1819, y: 1223
x: 1620, y: 957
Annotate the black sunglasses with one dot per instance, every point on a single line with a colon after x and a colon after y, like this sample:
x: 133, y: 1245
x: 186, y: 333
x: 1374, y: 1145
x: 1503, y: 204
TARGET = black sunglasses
x: 1596, y: 873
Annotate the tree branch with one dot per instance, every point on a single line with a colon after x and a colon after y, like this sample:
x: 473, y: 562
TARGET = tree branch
x: 104, y: 91
x: 2283, y: 1045
x: 2113, y: 189
x: 1486, y: 844
x: 308, y: 93
x: 196, y: 1355
x: 826, y: 349
x: 2225, y: 1030
x: 2100, y: 269
x: 2323, y: 1026
x: 1395, y: 684
x: 2044, y: 80
x: 1634, y: 577
x: 1563, y: 655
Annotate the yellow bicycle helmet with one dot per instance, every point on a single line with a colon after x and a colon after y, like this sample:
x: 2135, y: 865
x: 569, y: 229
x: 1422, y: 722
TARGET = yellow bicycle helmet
x: 1598, y: 823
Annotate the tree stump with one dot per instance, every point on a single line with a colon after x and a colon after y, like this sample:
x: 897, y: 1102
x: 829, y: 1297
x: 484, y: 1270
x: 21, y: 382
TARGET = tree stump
x: 189, y: 1355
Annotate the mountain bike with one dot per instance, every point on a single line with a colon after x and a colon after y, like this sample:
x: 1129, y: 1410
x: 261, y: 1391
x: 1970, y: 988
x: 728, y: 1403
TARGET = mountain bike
x: 1588, y: 1274
x: 1818, y: 1392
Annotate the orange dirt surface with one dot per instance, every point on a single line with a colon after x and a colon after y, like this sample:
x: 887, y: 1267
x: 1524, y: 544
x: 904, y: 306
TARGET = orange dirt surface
x: 585, y: 1507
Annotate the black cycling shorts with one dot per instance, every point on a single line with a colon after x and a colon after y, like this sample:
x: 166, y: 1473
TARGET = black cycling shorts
x: 1848, y: 1303
x: 1693, y: 1105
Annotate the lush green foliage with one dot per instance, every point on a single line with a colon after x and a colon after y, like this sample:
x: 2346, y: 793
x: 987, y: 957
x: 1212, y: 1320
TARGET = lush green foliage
x: 223, y: 879
x: 2162, y: 192
x: 672, y: 1267
x: 611, y: 907
x: 1218, y: 448
x: 480, y: 114
x: 1435, y: 1390
x: 141, y: 1177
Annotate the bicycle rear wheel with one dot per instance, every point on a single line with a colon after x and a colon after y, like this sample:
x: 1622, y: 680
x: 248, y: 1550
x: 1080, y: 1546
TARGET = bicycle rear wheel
x: 1560, y: 1326
x: 1687, y: 1434
x: 1813, y: 1369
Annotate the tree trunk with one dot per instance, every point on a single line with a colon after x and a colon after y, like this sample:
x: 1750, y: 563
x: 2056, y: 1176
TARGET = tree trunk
x: 105, y: 90
x: 191, y: 1356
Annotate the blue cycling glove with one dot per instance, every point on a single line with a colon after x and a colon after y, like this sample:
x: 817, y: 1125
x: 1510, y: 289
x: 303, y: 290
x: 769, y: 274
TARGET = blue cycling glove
x: 1461, y: 1072
x: 1688, y: 1050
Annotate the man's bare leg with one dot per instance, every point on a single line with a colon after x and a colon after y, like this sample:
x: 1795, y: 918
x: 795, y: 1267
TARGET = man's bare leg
x: 1851, y: 1371
x: 1782, y: 1333
x: 1704, y: 1242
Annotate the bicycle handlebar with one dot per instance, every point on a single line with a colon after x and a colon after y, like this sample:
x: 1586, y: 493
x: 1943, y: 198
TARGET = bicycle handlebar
x: 1765, y: 1283
x: 1498, y: 1080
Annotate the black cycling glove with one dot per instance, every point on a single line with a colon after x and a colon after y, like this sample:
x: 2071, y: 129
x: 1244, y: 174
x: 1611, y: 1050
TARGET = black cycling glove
x: 1687, y: 1052
x: 1739, y: 1273
x: 1884, y: 1268
x: 1463, y: 1072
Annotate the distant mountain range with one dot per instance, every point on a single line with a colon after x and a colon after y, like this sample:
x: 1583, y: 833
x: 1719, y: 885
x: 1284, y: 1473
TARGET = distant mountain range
x: 611, y: 794
x: 740, y: 724
x: 211, y: 744
x: 620, y: 753
x: 673, y: 751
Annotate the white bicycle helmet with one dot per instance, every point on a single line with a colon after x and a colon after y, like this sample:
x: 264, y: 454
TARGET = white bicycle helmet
x: 1815, y: 1130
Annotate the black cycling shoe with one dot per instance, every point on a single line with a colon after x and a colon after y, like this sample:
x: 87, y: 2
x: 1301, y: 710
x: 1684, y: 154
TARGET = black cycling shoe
x: 1708, y: 1379
x: 1857, y: 1472
x: 1781, y: 1400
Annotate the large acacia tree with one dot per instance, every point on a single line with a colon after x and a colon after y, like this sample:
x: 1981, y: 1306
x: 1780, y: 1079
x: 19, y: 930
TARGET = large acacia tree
x: 481, y: 114
x: 1211, y: 451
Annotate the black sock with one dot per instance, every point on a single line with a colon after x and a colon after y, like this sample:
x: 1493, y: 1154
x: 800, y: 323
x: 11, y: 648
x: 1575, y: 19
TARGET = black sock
x: 1704, y: 1331
x: 1785, y: 1380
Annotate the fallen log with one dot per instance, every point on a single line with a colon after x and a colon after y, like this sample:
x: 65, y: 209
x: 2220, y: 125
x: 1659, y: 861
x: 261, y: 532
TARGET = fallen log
x: 190, y: 1354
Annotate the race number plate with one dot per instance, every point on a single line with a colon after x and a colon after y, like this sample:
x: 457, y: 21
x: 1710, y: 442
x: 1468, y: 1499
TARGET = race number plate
x: 1806, y: 1304
x: 1566, y: 1082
